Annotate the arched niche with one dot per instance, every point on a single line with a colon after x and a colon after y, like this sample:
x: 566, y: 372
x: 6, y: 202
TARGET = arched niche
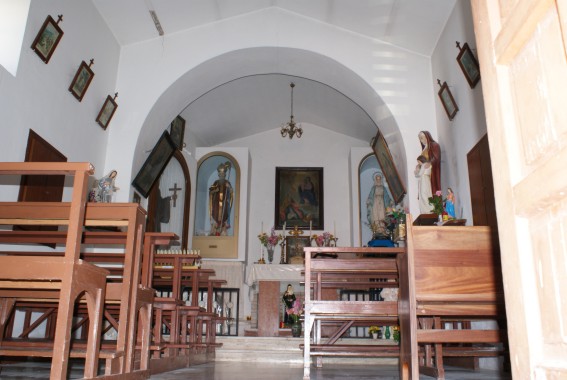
x: 217, y: 206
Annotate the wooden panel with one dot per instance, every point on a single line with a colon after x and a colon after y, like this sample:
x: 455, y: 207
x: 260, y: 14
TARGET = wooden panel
x: 521, y: 46
x: 268, y: 308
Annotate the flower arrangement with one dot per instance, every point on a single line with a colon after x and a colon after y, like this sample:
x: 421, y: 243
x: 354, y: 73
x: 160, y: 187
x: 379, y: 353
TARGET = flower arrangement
x: 295, y: 312
x: 437, y: 202
x: 373, y: 329
x: 269, y: 241
x: 323, y: 239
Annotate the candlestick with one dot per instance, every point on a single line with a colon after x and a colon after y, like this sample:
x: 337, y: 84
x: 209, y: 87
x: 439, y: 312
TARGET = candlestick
x: 334, y: 228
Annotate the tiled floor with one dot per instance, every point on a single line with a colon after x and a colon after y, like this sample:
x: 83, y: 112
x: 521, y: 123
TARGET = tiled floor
x: 269, y: 371
x: 257, y: 371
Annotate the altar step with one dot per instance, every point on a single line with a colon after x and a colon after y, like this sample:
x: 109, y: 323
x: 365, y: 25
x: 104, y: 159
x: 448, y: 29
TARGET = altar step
x: 280, y: 350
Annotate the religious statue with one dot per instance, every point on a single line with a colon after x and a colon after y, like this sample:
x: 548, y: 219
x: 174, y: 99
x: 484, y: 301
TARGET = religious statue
x: 432, y: 153
x: 450, y: 203
x: 376, y: 203
x: 221, y: 196
x: 423, y: 174
x: 288, y: 299
x: 104, y: 188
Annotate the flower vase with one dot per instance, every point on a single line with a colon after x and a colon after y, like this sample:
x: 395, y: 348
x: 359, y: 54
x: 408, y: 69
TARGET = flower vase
x: 270, y: 250
x: 374, y: 335
x: 296, y: 329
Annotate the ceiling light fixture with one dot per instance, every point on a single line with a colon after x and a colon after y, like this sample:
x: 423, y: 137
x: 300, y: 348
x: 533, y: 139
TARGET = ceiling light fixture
x: 291, y: 128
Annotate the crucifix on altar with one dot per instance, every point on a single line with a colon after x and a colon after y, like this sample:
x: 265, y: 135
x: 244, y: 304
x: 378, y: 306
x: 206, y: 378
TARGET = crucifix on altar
x: 175, y: 189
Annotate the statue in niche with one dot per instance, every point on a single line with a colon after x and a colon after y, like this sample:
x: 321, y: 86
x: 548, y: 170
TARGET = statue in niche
x: 376, y: 203
x: 221, y: 196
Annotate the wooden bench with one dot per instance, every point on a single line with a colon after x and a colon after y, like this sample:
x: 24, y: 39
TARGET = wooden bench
x: 448, y: 274
x: 126, y: 301
x: 344, y: 267
x: 69, y: 275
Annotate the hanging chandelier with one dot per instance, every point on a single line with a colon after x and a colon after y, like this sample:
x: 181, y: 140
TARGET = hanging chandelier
x: 291, y: 128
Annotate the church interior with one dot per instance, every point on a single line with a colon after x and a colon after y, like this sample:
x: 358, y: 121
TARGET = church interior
x: 197, y: 163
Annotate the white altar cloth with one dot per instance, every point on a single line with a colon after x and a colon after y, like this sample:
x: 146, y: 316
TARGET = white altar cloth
x: 274, y: 272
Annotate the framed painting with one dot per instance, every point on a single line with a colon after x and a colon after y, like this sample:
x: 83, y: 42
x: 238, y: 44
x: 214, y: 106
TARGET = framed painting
x: 48, y: 38
x: 447, y: 100
x: 82, y: 80
x: 294, y: 248
x: 299, y: 198
x: 177, y: 131
x: 469, y: 64
x: 384, y: 158
x: 154, y: 165
x: 107, y: 111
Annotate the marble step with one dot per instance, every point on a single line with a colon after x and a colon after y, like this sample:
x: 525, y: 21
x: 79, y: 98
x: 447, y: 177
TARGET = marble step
x: 280, y: 350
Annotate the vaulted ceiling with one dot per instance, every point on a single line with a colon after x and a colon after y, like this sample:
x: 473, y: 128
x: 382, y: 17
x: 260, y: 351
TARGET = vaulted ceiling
x: 413, y: 25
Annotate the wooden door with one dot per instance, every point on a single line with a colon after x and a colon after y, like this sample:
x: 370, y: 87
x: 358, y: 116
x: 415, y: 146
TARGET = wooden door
x: 521, y: 46
x: 41, y: 188
x: 480, y: 183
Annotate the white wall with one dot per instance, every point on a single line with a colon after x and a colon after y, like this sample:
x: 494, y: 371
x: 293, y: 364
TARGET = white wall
x: 458, y: 136
x: 38, y: 97
x: 150, y: 71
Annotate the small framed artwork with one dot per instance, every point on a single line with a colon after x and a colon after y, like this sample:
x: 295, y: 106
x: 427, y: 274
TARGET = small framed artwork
x: 469, y: 64
x: 447, y: 100
x: 294, y: 248
x: 154, y: 164
x: 177, y: 131
x: 299, y: 198
x: 48, y: 38
x: 107, y: 111
x: 384, y: 158
x: 82, y: 80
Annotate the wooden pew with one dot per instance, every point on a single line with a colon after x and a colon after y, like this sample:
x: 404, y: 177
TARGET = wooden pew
x: 448, y: 274
x: 356, y: 268
x: 126, y: 299
x: 69, y: 275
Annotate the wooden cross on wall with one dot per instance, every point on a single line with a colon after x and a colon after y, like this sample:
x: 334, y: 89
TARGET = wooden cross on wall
x: 175, y: 189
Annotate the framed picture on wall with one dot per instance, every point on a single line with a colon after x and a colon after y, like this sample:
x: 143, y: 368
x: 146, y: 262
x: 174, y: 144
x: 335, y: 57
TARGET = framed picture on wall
x: 384, y: 158
x: 107, y: 111
x: 299, y: 198
x: 294, y: 248
x: 154, y: 165
x: 48, y: 38
x: 82, y: 80
x: 447, y: 100
x: 177, y: 131
x: 469, y: 64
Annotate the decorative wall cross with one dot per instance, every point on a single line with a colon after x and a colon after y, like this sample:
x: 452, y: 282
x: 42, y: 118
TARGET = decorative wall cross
x: 175, y: 189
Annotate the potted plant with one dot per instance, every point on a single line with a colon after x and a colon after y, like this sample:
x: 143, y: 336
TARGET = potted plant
x: 375, y: 332
x: 270, y: 241
x: 294, y: 313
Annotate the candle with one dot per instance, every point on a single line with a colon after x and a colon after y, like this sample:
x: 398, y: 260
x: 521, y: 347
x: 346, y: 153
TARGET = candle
x: 334, y: 229
x: 310, y: 226
x: 284, y: 229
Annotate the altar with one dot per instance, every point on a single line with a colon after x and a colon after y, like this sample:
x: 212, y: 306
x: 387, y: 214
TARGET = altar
x: 265, y: 279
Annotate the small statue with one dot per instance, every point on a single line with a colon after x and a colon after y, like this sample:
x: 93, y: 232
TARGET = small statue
x: 288, y: 299
x: 450, y: 203
x: 104, y: 188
